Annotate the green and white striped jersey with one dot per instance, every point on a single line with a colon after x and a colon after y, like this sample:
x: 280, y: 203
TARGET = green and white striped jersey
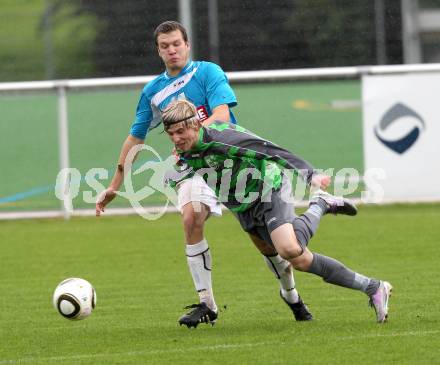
x: 238, y: 165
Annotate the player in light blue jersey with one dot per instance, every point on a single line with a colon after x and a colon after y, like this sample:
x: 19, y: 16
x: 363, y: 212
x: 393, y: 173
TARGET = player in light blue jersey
x: 206, y: 86
x: 203, y: 83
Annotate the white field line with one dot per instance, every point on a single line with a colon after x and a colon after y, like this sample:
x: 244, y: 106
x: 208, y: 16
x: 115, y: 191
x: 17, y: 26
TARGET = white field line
x: 200, y: 349
x: 79, y: 213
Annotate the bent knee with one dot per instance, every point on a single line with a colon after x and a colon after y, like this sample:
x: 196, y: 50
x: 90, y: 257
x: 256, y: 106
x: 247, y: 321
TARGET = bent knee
x: 302, y: 262
x: 290, y: 253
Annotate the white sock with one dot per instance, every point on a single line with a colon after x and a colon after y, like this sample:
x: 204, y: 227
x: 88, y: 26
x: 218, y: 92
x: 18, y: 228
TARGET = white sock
x: 284, y: 273
x: 199, y: 263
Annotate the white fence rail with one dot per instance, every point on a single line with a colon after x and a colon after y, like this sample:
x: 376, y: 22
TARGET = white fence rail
x: 234, y: 77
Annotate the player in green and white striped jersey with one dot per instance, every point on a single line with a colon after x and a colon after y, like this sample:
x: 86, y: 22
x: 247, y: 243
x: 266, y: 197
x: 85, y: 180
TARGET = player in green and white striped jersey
x: 246, y: 173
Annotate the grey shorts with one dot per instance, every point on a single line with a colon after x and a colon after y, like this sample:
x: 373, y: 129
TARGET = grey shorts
x: 264, y: 217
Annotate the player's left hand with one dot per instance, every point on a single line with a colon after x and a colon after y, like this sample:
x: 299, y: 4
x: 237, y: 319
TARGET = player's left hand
x: 103, y: 199
x: 321, y: 181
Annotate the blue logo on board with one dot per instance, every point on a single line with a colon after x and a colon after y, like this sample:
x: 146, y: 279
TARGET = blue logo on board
x: 394, y: 116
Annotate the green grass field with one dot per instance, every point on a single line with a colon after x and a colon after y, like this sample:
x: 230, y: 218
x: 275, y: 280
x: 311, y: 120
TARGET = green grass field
x: 139, y: 271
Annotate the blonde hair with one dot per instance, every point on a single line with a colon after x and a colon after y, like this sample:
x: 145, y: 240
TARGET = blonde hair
x: 180, y: 111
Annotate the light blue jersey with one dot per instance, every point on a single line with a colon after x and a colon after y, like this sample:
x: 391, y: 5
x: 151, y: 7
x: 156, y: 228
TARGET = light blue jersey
x: 202, y: 83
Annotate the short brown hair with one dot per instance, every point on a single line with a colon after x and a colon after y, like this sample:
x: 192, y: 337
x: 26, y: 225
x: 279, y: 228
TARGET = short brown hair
x: 170, y: 26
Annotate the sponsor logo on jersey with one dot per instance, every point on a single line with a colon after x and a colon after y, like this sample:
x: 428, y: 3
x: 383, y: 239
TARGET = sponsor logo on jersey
x: 181, y: 82
x: 202, y: 113
x: 273, y: 219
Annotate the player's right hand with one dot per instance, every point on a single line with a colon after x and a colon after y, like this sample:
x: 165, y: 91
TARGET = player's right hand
x: 321, y: 181
x: 103, y: 199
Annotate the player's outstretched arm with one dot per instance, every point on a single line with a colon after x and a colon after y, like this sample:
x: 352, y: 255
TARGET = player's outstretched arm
x: 110, y: 193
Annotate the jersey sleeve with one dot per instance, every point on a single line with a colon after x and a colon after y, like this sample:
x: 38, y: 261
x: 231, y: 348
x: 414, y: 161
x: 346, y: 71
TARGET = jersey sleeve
x: 237, y: 142
x: 143, y: 118
x: 218, y: 90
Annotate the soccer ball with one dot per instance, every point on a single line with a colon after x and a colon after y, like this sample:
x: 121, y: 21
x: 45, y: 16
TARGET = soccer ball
x: 74, y: 298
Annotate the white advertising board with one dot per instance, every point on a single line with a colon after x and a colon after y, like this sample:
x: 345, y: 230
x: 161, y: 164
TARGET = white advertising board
x: 401, y: 135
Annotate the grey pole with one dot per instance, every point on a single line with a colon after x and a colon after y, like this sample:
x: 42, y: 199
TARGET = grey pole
x: 411, y: 32
x: 213, y: 31
x: 63, y: 150
x: 379, y: 20
x: 186, y: 19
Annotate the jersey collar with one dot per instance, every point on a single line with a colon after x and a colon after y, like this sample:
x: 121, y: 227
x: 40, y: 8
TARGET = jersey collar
x: 184, y: 70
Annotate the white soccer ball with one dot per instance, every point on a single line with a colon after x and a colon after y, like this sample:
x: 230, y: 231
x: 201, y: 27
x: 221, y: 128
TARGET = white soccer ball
x: 74, y: 298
